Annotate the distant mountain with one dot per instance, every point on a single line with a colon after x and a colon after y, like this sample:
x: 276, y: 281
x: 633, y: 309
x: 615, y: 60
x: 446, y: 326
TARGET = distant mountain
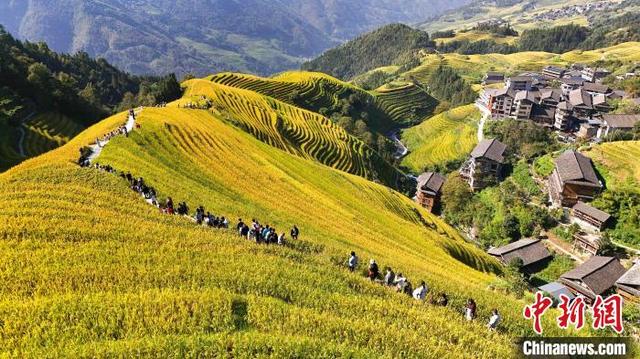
x: 390, y: 45
x: 162, y: 36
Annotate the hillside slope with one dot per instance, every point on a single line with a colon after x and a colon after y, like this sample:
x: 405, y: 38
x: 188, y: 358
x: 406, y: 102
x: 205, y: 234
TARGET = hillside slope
x: 107, y: 274
x: 393, y: 44
x: 318, y: 92
x: 292, y: 129
x: 442, y: 139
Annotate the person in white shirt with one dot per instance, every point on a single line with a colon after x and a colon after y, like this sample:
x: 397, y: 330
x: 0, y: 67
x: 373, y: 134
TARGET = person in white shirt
x: 421, y: 292
x: 400, y: 282
x: 494, y: 320
x: 353, y: 262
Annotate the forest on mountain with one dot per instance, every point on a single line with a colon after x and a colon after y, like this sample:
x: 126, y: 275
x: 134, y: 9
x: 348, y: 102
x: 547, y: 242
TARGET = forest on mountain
x: 201, y: 37
x: 394, y: 44
x: 35, y: 78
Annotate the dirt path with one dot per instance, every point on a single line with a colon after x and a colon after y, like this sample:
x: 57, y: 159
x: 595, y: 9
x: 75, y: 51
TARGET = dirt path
x: 23, y: 134
x: 483, y: 120
x: 96, y: 148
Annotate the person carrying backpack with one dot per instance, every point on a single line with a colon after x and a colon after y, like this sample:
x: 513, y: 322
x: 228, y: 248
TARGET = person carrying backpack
x: 373, y: 270
x: 389, y: 278
x: 295, y: 232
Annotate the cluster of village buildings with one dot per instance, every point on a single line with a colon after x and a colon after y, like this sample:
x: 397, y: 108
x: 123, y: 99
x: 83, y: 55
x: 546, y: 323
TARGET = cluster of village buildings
x: 575, y: 10
x: 571, y: 100
x: 572, y: 185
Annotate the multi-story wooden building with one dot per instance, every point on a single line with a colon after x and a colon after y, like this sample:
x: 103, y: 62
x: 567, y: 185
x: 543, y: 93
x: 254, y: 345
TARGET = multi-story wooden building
x: 594, y: 277
x: 484, y: 167
x: 573, y: 179
x: 428, y: 191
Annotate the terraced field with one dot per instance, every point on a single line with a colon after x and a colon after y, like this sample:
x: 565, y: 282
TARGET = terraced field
x: 313, y: 91
x: 47, y: 131
x: 292, y: 129
x: 477, y: 36
x: 618, y: 161
x: 474, y: 67
x: 43, y: 132
x: 446, y: 137
x: 407, y: 104
x: 108, y: 275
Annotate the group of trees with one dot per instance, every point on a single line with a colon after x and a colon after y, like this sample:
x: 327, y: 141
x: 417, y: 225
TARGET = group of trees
x: 624, y: 205
x: 557, y: 39
x: 357, y: 113
x: 524, y: 139
x: 390, y: 45
x: 466, y: 47
x: 36, y: 78
x: 445, y: 84
x: 499, y: 214
x: 496, y: 29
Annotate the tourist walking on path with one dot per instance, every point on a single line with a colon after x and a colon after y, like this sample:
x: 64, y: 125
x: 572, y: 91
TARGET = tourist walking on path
x: 352, y: 262
x: 421, y: 292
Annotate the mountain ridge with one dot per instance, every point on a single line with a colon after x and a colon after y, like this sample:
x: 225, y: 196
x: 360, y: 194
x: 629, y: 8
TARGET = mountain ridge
x: 203, y: 37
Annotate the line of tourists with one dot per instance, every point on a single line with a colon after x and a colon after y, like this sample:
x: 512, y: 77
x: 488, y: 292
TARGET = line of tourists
x: 401, y: 284
x: 254, y: 231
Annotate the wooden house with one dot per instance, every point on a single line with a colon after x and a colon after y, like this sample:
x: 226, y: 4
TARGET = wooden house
x: 484, y: 167
x: 594, y: 277
x: 532, y: 252
x: 573, y: 179
x: 585, y: 214
x: 428, y: 191
x: 628, y: 285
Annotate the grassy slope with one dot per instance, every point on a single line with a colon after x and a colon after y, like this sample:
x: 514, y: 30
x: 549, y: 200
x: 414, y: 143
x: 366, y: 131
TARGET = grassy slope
x: 43, y: 133
x: 88, y: 268
x: 515, y: 15
x: 317, y: 90
x: 292, y: 129
x: 618, y: 161
x: 472, y: 35
x: 474, y: 67
x: 443, y: 138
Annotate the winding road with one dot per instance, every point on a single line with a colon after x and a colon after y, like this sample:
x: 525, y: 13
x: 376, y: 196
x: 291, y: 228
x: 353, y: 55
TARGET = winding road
x: 96, y: 148
x: 23, y: 134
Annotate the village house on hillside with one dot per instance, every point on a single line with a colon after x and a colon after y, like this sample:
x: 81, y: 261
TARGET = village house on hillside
x: 594, y: 277
x: 428, y: 191
x: 556, y: 289
x: 591, y: 221
x: 629, y: 284
x: 493, y: 78
x: 588, y: 216
x: 573, y: 179
x: 565, y: 99
x: 484, y: 167
x: 617, y: 123
x: 532, y: 252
